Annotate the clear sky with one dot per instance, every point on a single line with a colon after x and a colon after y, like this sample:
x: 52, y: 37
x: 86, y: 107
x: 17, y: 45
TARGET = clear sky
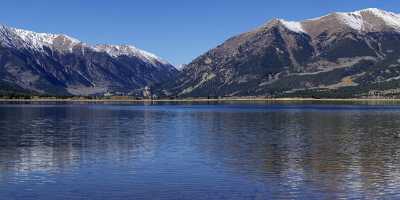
x: 176, y: 30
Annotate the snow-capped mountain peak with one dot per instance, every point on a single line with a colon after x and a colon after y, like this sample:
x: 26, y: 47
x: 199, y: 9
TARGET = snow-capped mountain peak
x: 61, y: 65
x: 129, y: 50
x: 38, y: 40
x: 376, y: 11
x: 353, y: 20
x: 366, y: 20
x: 19, y: 38
x: 371, y: 19
x: 389, y: 18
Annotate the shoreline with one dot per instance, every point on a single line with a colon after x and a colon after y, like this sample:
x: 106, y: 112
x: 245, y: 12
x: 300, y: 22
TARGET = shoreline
x: 201, y: 100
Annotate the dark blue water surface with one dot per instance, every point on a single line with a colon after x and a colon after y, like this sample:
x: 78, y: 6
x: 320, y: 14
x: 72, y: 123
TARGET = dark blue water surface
x: 223, y: 151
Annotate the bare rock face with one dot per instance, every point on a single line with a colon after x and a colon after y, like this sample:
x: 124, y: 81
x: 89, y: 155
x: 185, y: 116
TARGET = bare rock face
x: 60, y: 65
x: 337, y: 55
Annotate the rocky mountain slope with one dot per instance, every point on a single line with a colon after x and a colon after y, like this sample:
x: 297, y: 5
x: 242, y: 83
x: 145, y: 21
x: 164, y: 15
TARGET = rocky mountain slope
x: 353, y: 54
x: 61, y: 65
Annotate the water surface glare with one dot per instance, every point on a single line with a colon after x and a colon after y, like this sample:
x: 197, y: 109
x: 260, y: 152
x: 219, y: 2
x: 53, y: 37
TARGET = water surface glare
x: 221, y: 151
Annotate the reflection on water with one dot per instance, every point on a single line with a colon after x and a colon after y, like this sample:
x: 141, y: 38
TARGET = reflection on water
x: 199, y: 151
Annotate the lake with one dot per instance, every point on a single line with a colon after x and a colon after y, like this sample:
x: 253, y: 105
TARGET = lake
x: 199, y: 151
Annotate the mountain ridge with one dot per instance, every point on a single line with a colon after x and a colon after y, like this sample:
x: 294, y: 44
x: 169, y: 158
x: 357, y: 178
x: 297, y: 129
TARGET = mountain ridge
x: 339, y: 55
x: 58, y: 64
x: 39, y: 40
x: 321, y: 56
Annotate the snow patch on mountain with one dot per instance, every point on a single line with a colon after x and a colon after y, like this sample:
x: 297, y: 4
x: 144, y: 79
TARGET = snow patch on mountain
x: 293, y: 26
x: 129, y: 50
x: 353, y: 20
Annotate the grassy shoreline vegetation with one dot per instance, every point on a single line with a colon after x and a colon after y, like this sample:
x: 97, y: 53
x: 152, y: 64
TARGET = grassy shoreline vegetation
x: 29, y: 97
x: 199, y: 100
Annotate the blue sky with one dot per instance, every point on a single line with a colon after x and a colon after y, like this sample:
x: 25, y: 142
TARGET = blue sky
x: 176, y: 30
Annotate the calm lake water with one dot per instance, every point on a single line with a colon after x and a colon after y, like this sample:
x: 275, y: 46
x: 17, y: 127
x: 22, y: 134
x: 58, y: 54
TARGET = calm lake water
x: 224, y: 151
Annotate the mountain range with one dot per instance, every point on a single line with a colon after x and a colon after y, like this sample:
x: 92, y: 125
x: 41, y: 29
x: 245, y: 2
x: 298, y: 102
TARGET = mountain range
x: 339, y: 55
x: 354, y: 54
x: 57, y: 64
